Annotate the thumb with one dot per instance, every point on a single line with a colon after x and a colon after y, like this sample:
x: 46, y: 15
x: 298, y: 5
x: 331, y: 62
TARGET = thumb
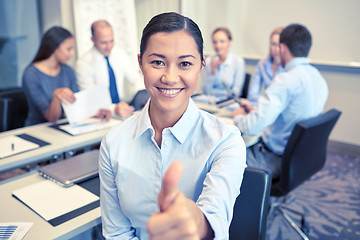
x: 170, y: 182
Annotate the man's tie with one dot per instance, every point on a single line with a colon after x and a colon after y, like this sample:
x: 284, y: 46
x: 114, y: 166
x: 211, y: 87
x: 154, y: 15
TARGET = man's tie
x: 113, y: 90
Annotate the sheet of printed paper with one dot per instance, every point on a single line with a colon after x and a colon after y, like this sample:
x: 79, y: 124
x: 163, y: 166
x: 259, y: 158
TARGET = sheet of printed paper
x: 14, y: 230
x: 87, y: 103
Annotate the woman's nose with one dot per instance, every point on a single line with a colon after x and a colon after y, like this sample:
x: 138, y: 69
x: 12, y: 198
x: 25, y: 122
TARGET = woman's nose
x: 170, y: 77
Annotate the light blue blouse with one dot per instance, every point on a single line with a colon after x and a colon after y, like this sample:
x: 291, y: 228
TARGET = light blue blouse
x: 231, y: 72
x: 132, y: 166
x: 297, y: 94
x: 262, y: 78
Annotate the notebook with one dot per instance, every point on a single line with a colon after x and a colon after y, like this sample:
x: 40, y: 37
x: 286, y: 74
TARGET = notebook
x: 51, y: 201
x: 72, y: 170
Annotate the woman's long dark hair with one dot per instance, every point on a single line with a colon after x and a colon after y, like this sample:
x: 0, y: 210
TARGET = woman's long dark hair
x: 50, y: 42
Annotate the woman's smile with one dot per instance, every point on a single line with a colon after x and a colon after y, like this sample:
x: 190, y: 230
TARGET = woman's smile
x: 170, y: 92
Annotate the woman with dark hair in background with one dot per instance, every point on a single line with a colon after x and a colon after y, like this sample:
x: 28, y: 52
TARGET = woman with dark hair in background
x: 157, y: 178
x: 266, y: 69
x: 48, y: 81
x: 225, y: 68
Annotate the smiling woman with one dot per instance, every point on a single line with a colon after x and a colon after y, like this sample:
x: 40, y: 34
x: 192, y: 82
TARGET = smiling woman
x: 157, y: 179
x: 171, y: 69
x: 225, y: 70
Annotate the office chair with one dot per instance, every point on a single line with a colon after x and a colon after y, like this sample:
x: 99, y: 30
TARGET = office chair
x: 304, y: 155
x: 246, y: 85
x: 251, y: 206
x: 13, y: 109
x: 140, y: 99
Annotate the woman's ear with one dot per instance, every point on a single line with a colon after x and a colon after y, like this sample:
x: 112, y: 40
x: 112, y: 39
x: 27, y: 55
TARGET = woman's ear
x: 203, y: 63
x: 139, y: 61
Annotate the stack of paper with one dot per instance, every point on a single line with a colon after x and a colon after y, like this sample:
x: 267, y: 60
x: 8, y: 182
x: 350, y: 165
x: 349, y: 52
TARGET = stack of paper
x: 88, y: 125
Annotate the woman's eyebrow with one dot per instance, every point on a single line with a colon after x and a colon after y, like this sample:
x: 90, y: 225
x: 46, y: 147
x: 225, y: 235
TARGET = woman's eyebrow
x: 157, y: 55
x: 186, y: 56
x: 162, y: 56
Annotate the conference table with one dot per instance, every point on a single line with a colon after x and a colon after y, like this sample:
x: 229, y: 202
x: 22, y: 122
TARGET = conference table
x: 12, y: 210
x: 60, y: 143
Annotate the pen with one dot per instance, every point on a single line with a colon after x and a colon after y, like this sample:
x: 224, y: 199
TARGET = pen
x: 12, y: 147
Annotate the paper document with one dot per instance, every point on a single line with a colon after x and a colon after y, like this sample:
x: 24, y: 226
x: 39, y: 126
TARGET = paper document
x: 233, y: 106
x: 50, y: 200
x: 87, y: 103
x: 14, y: 230
x: 209, y: 98
x: 88, y: 125
x: 12, y: 145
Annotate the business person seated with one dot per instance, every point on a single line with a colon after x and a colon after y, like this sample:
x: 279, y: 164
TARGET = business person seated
x: 106, y: 64
x: 48, y: 81
x: 223, y: 68
x: 266, y: 69
x: 157, y: 180
x: 299, y: 93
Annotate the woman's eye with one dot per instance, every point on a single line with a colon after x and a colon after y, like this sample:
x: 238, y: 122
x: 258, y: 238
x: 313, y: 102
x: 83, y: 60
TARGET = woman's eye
x: 157, y: 63
x: 185, y: 64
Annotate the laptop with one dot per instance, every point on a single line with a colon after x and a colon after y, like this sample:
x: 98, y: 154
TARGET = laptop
x: 72, y: 170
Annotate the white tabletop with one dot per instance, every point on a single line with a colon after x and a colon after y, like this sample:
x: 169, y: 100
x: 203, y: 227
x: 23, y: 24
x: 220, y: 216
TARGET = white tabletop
x: 60, y: 142
x: 12, y: 210
x: 225, y: 116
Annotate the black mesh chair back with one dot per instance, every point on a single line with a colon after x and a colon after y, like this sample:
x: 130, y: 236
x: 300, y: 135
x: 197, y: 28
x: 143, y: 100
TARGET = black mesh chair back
x: 245, y: 89
x: 305, y: 152
x: 251, y: 206
x: 13, y: 109
x: 140, y: 99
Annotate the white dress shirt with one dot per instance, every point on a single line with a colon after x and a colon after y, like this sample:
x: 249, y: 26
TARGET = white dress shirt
x: 299, y: 93
x: 92, y: 70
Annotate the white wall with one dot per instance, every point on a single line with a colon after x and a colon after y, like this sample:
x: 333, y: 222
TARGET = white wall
x: 338, y: 28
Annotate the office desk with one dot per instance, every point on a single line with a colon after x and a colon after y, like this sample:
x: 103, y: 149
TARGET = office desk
x: 60, y: 142
x: 225, y: 116
x: 12, y: 210
x: 213, y: 109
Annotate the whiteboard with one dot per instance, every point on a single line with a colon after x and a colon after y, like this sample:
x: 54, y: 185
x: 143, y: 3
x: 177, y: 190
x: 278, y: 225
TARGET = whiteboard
x: 334, y: 25
x: 119, y: 13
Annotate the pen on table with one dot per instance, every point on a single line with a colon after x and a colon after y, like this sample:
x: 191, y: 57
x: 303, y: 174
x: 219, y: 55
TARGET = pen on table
x: 12, y: 147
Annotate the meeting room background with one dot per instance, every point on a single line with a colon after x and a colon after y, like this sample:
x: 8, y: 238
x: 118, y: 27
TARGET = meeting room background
x: 333, y: 24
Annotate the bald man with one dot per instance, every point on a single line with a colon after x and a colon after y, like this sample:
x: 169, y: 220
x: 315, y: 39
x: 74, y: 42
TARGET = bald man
x: 107, y: 64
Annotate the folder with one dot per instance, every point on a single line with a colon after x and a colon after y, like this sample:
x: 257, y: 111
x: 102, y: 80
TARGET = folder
x: 50, y: 200
x: 15, y: 144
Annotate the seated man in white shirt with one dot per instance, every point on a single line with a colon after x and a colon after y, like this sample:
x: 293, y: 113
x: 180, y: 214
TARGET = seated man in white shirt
x: 299, y: 93
x: 106, y: 64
